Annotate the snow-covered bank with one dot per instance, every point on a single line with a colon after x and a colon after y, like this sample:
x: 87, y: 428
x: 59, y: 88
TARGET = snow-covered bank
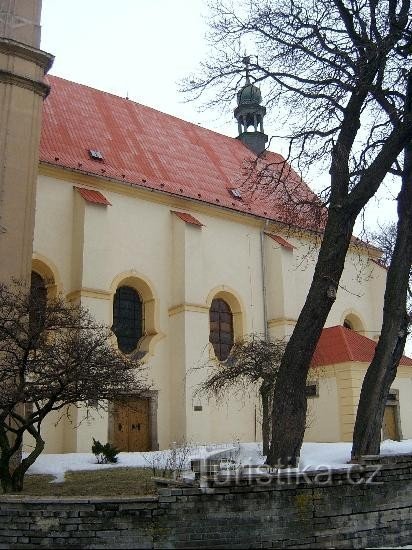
x: 314, y: 455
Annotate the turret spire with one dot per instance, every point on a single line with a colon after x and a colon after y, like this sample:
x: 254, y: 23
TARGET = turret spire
x: 250, y: 112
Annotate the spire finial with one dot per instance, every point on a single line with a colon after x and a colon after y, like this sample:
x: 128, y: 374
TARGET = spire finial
x: 246, y: 62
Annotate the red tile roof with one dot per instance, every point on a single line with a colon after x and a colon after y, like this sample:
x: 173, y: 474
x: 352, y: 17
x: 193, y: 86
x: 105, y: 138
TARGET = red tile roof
x: 341, y: 345
x: 90, y: 195
x: 144, y: 147
x: 188, y: 218
x: 280, y: 240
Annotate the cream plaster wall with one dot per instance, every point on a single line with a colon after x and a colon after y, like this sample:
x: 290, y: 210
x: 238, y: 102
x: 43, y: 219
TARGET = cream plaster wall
x: 93, y: 246
x: 323, y: 410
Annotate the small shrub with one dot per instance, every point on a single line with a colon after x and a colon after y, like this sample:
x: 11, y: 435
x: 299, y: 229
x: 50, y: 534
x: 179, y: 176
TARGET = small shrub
x: 105, y: 454
x: 170, y: 463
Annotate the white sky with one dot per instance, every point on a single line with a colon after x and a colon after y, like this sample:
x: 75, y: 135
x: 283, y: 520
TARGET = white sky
x: 137, y: 47
x: 143, y: 48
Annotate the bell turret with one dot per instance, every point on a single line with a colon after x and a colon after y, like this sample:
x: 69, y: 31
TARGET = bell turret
x: 249, y: 113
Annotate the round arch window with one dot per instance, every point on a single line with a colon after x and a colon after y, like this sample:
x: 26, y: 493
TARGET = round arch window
x: 127, y: 318
x: 353, y: 322
x: 221, y: 328
x: 38, y: 302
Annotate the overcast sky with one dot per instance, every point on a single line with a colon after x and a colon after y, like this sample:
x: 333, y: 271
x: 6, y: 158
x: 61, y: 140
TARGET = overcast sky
x: 137, y: 47
x: 143, y: 48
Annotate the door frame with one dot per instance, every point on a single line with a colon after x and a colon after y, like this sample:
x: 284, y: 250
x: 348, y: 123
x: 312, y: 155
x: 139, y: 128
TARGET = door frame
x: 393, y: 401
x: 153, y: 397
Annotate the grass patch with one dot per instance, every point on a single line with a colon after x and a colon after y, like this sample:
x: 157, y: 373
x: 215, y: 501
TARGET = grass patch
x: 107, y: 482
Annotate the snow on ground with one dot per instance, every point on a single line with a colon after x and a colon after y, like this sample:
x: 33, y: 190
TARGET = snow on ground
x: 313, y: 456
x: 337, y: 455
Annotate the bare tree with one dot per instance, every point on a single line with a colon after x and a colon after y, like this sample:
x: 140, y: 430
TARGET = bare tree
x: 396, y: 318
x: 385, y: 239
x: 338, y: 70
x: 253, y: 364
x: 52, y: 355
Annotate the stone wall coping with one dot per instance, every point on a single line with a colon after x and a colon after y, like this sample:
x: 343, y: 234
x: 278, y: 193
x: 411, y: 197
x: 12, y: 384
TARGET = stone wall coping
x: 401, y: 457
x: 11, y: 499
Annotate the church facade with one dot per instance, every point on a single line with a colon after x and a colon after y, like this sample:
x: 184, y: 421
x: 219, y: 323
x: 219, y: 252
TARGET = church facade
x: 144, y: 219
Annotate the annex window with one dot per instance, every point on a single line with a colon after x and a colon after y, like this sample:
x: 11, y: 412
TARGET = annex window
x: 353, y: 322
x: 38, y: 302
x: 221, y: 328
x: 127, y: 318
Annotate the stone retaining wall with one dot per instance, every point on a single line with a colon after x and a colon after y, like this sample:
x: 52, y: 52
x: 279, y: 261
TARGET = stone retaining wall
x: 367, y: 507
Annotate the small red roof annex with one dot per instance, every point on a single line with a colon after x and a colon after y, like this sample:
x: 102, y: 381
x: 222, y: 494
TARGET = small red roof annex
x: 341, y: 345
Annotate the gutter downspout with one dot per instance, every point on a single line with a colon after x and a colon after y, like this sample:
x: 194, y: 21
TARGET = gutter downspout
x: 263, y: 266
x: 265, y: 311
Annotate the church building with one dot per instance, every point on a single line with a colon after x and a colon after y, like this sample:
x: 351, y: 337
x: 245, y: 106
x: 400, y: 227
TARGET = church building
x: 149, y: 222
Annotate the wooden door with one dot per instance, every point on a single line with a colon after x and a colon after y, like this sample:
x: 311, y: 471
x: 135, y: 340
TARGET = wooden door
x: 390, y: 425
x: 139, y: 429
x: 131, y: 425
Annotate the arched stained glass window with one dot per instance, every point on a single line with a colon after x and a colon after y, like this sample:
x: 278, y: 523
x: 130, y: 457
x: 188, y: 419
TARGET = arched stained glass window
x: 127, y: 318
x: 221, y: 328
x: 38, y: 302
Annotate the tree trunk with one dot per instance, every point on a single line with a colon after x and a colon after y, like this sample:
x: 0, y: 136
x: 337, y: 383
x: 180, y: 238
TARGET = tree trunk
x: 12, y: 474
x: 5, y: 477
x: 382, y: 370
x: 266, y: 390
x: 17, y: 477
x: 289, y: 404
x: 375, y: 388
x: 5, y: 457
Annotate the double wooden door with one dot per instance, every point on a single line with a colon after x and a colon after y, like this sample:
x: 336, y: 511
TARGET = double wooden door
x: 132, y: 425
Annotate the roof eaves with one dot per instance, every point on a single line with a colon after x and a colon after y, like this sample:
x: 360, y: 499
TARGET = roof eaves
x: 130, y: 184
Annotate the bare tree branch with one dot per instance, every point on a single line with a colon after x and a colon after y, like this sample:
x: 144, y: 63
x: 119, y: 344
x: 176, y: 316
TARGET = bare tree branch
x: 52, y: 355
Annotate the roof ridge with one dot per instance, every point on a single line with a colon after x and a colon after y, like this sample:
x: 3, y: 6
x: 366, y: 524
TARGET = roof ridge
x: 345, y: 334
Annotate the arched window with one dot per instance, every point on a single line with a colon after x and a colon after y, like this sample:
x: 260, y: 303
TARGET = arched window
x: 353, y: 322
x: 221, y: 328
x: 38, y: 301
x: 127, y: 318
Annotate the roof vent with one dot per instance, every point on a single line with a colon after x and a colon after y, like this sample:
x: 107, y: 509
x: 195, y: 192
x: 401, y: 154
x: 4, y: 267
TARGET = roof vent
x: 236, y: 193
x: 95, y: 155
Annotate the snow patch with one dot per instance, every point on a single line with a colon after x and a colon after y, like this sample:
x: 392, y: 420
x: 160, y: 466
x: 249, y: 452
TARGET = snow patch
x: 313, y: 457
